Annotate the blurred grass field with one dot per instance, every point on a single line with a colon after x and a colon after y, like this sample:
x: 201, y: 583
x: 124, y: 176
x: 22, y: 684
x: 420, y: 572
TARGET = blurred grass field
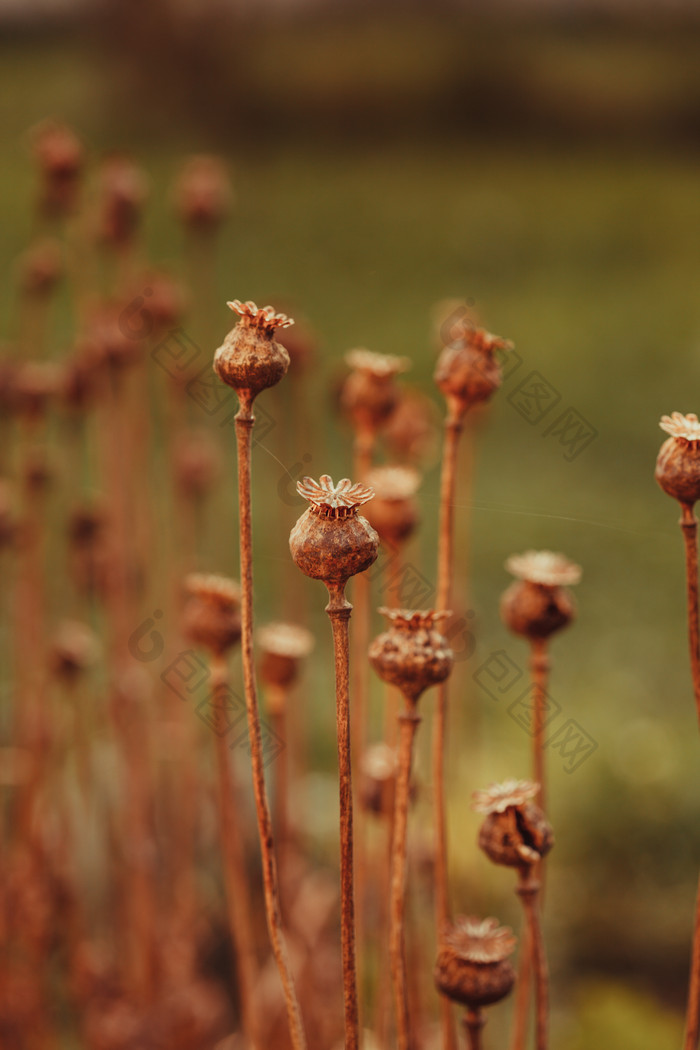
x: 588, y: 257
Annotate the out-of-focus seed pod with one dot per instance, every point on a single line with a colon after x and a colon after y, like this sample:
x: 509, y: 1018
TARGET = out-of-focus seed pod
x: 538, y: 604
x: 412, y: 654
x: 212, y: 616
x: 472, y: 966
x: 515, y: 831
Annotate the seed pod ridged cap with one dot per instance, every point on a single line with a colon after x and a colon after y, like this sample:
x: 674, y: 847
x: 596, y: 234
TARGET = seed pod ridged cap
x: 472, y: 966
x: 331, y: 541
x: 678, y: 462
x: 250, y: 359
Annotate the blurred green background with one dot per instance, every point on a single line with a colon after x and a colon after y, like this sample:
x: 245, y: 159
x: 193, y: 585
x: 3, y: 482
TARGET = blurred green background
x: 546, y: 166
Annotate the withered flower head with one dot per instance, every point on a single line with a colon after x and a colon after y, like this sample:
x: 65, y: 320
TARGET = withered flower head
x: 282, y: 647
x: 393, y: 511
x: 515, y: 831
x: 212, y: 617
x: 467, y: 371
x: 538, y: 604
x: 370, y: 393
x: 678, y: 462
x: 75, y: 648
x: 331, y: 541
x: 203, y: 193
x: 250, y: 359
x: 378, y: 769
x: 124, y: 189
x: 412, y: 654
x: 472, y: 966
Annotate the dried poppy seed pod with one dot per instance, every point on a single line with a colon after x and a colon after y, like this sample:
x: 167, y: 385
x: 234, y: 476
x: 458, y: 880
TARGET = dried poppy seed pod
x: 212, y: 616
x: 60, y: 156
x: 370, y: 393
x: 249, y: 359
x: 468, y: 371
x: 40, y: 269
x: 472, y: 966
x: 538, y: 604
x: 411, y: 654
x: 515, y: 831
x: 378, y: 769
x: 75, y: 649
x: 124, y: 190
x: 197, y: 463
x: 282, y: 646
x: 203, y: 194
x: 331, y: 541
x: 411, y: 434
x: 393, y: 511
x: 678, y: 462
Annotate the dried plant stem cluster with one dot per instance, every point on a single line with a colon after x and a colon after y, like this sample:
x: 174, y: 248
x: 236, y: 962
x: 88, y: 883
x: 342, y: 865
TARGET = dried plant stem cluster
x: 151, y: 896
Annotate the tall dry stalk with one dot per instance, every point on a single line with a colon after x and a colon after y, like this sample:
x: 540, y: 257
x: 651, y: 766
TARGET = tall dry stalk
x: 412, y: 655
x: 678, y: 474
x: 332, y: 542
x: 250, y: 360
x: 468, y: 374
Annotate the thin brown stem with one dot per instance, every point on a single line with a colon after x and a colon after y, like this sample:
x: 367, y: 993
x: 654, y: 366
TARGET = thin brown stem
x: 539, y: 672
x: 692, y: 1021
x: 448, y: 481
x: 528, y: 890
x: 236, y: 883
x: 408, y: 723
x: 339, y: 610
x: 244, y: 427
x: 689, y: 526
x: 474, y: 1022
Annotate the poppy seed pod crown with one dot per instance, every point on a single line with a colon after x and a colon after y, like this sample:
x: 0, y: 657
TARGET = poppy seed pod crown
x: 472, y: 966
x: 468, y: 371
x: 411, y: 654
x: 678, y: 462
x: 331, y: 541
x: 515, y: 831
x: 249, y: 359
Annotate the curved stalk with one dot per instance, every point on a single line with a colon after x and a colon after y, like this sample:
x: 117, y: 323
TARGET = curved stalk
x: 236, y: 883
x: 408, y: 723
x: 448, y: 482
x: 244, y: 427
x: 689, y: 527
x: 528, y: 891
